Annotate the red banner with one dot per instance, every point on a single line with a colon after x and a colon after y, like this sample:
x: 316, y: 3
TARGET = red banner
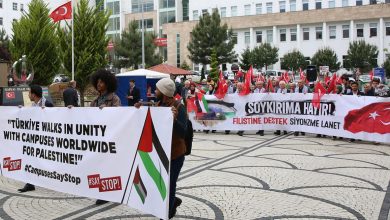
x: 161, y: 42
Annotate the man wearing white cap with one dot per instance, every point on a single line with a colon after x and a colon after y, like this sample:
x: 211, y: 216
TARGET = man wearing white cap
x: 165, y: 88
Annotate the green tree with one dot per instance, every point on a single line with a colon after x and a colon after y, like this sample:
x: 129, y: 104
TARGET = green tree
x: 246, y: 59
x: 90, y: 44
x: 185, y: 66
x: 129, y: 48
x: 362, y: 55
x: 386, y: 66
x: 35, y: 36
x: 4, y: 46
x: 264, y: 55
x: 294, y: 60
x: 214, y: 66
x: 209, y: 34
x: 326, y: 57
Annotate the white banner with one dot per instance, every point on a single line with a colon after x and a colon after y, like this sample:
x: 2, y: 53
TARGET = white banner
x: 358, y: 117
x: 115, y: 154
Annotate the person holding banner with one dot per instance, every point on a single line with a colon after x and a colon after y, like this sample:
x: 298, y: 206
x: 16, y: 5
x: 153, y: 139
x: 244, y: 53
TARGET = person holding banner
x: 70, y: 96
x: 260, y: 89
x: 38, y: 100
x: 301, y: 89
x: 105, y: 83
x: 165, y: 89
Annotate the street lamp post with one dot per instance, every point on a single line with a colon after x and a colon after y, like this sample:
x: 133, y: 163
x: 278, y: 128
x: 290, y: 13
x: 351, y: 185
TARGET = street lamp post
x: 143, y: 34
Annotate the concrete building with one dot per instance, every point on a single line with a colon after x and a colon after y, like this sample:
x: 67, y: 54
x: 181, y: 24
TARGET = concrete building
x: 11, y: 10
x: 306, y: 25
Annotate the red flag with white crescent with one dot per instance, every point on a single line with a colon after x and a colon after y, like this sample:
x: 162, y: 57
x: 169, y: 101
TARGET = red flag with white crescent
x: 62, y: 12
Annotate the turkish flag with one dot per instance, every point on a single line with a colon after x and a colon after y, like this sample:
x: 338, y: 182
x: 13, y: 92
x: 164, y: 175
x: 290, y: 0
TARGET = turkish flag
x: 371, y: 75
x: 177, y: 96
x: 332, y: 84
x: 10, y: 95
x: 191, y: 106
x: 319, y: 91
x: 247, y: 84
x: 270, y: 86
x: 373, y: 118
x: 63, y: 12
x: 222, y: 87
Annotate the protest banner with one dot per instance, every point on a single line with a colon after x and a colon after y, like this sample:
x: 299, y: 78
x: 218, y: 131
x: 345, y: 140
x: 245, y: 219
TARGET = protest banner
x: 115, y: 154
x: 358, y: 117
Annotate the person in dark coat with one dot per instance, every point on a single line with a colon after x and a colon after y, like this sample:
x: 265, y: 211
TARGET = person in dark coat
x: 368, y: 90
x: 133, y: 95
x: 35, y: 96
x: 71, y: 98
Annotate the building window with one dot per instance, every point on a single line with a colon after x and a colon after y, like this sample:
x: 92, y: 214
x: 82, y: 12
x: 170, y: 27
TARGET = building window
x: 204, y: 12
x: 305, y: 5
x: 166, y: 3
x: 178, y: 62
x: 372, y: 2
x: 345, y: 3
x: 318, y: 33
x: 223, y: 12
x: 332, y: 32
x: 1, y: 21
x: 167, y: 17
x: 247, y: 38
x: 259, y: 8
x: 15, y: 6
x: 114, y: 24
x: 282, y: 35
x: 195, y: 15
x: 293, y: 34
x: 345, y: 31
x: 1, y: 3
x: 360, y: 30
x: 113, y: 7
x: 259, y: 37
x: 318, y: 4
x: 387, y: 24
x: 136, y: 6
x: 359, y: 2
x: 270, y: 36
x: 293, y: 5
x: 269, y: 7
x: 234, y: 38
x: 21, y: 7
x: 148, y: 23
x: 234, y: 11
x: 331, y: 4
x: 282, y: 6
x: 247, y: 9
x: 345, y: 61
x: 373, y: 29
x: 306, y: 33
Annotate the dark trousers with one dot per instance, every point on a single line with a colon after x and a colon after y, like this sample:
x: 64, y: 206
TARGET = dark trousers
x: 176, y: 166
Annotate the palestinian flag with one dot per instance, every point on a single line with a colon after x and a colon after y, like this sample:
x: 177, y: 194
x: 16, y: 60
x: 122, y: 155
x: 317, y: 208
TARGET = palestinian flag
x: 139, y: 186
x: 153, y: 156
x: 201, y: 103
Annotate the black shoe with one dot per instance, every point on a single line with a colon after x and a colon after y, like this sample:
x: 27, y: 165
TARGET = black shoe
x: 178, y: 202
x: 351, y: 140
x: 227, y: 132
x: 240, y: 133
x: 100, y: 202
x: 261, y: 132
x: 213, y: 131
x: 27, y: 187
x: 296, y: 133
x: 258, y: 132
x: 284, y: 132
x: 206, y: 131
x: 334, y: 138
x: 303, y: 133
x: 277, y: 132
x: 318, y: 135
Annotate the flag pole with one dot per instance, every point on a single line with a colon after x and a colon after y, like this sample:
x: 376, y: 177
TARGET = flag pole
x: 72, y: 41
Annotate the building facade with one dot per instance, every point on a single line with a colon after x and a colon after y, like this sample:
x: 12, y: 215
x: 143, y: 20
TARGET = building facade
x: 305, y: 25
x: 11, y: 10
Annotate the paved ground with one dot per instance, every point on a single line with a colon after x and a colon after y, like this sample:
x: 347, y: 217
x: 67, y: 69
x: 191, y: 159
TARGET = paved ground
x: 250, y: 177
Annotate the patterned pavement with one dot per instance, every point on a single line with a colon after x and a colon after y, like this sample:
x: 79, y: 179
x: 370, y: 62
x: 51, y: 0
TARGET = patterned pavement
x: 249, y: 177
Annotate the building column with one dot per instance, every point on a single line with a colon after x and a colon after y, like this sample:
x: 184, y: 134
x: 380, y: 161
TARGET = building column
x: 381, y: 34
x: 252, y: 38
x: 298, y: 36
x: 351, y: 31
x: 324, y: 34
x: 275, y: 35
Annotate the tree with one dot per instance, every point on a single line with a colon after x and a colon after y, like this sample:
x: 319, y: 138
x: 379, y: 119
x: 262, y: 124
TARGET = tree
x: 264, y: 55
x: 362, y: 55
x: 214, y: 73
x: 4, y: 46
x: 209, y: 34
x: 326, y: 57
x: 185, y: 66
x: 386, y: 66
x: 294, y: 60
x: 246, y: 59
x: 35, y: 36
x: 90, y: 44
x: 129, y: 48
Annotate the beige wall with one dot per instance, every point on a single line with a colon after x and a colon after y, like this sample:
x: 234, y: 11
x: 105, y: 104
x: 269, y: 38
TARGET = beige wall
x: 4, y: 70
x: 138, y: 16
x: 277, y: 19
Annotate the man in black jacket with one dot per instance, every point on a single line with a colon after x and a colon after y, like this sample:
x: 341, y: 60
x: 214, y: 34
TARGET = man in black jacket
x: 38, y: 100
x: 133, y: 95
x: 70, y: 95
